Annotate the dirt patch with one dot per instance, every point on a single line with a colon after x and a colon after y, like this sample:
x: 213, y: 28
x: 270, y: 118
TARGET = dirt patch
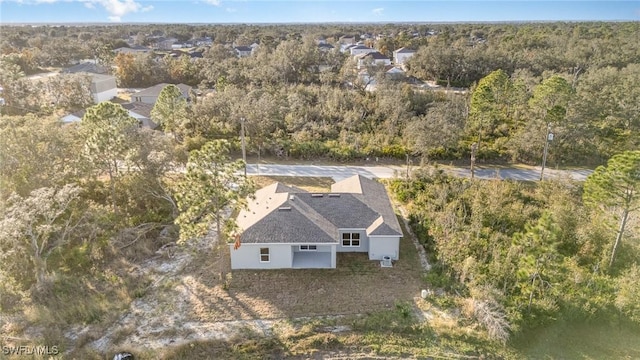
x: 309, y: 183
x: 187, y: 302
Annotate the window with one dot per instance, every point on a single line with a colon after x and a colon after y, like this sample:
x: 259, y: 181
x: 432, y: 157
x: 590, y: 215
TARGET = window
x: 308, y: 247
x: 264, y: 254
x: 351, y: 239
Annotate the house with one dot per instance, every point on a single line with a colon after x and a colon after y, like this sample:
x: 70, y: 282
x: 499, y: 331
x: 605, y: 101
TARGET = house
x: 150, y: 95
x: 346, y: 40
x: 325, y: 47
x: 401, y: 55
x: 139, y: 111
x: 286, y: 227
x: 103, y: 86
x: 375, y: 58
x: 360, y: 49
x: 133, y: 49
x: 243, y: 51
x: 394, y: 73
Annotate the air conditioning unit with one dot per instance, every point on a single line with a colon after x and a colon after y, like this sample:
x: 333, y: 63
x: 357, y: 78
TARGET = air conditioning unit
x: 386, y: 261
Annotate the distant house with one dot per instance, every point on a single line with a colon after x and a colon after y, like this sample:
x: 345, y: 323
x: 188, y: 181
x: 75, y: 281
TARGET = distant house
x: 375, y: 57
x: 325, y: 47
x: 394, y: 73
x: 346, y: 40
x: 321, y: 40
x: 243, y: 51
x: 203, y: 41
x: 285, y: 227
x: 139, y: 111
x: 401, y: 55
x: 150, y: 95
x: 360, y: 49
x: 103, y: 86
x: 133, y: 49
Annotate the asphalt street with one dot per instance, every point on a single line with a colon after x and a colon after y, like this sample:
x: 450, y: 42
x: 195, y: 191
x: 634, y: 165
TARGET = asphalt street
x: 384, y: 172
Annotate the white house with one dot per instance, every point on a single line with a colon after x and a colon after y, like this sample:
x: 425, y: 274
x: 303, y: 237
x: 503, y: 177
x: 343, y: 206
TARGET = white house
x: 139, y: 111
x: 103, y: 86
x: 150, y: 95
x: 285, y: 227
x: 361, y: 49
x: 243, y: 51
x: 375, y: 58
x: 401, y: 55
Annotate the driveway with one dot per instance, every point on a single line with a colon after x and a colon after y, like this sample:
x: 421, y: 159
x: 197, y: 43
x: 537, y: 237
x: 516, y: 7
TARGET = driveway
x: 385, y: 172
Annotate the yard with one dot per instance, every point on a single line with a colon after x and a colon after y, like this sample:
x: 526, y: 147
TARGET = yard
x: 356, y: 286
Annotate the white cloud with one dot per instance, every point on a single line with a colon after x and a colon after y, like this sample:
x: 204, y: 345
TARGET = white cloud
x: 118, y: 8
x: 377, y: 11
x: 231, y: 10
x: 213, y: 2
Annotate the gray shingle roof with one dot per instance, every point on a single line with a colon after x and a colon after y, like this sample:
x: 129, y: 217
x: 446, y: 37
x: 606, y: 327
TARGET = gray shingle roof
x: 155, y: 90
x: 283, y: 214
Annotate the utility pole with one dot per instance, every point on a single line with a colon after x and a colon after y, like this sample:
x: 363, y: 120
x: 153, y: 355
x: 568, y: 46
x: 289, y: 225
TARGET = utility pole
x: 407, y: 166
x: 548, y: 138
x: 474, y: 150
x: 244, y: 150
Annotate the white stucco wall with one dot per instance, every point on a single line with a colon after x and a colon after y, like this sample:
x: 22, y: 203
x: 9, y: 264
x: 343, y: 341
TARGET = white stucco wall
x: 248, y: 256
x: 401, y: 58
x: 105, y: 95
x: 380, y: 246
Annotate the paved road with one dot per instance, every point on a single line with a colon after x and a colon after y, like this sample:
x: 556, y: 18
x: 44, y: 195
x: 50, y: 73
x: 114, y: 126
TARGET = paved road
x: 385, y: 172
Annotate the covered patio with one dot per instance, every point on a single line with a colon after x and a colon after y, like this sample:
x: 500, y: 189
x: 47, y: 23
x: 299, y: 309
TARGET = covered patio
x: 312, y: 260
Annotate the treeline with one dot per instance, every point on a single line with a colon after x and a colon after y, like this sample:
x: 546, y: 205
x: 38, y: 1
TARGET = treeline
x: 527, y: 254
x: 575, y: 79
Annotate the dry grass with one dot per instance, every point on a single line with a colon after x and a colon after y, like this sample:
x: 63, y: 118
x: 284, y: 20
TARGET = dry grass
x: 356, y: 286
x: 310, y: 184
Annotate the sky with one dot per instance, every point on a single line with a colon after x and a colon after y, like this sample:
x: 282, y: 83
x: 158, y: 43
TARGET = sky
x: 318, y: 11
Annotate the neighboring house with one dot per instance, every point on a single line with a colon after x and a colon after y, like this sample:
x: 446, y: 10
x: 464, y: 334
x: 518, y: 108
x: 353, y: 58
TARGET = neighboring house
x: 346, y: 40
x: 142, y: 112
x: 360, y: 49
x: 203, y: 41
x: 375, y: 58
x: 150, y: 95
x: 103, y: 86
x: 285, y: 227
x: 395, y: 73
x: 325, y: 47
x: 139, y: 111
x: 401, y: 55
x: 347, y: 48
x: 133, y: 49
x: 243, y: 51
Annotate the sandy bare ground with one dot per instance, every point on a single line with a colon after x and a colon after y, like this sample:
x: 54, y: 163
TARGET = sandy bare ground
x: 186, y: 300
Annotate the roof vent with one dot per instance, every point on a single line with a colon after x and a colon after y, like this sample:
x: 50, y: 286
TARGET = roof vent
x: 292, y: 197
x: 317, y: 195
x: 284, y: 208
x: 334, y: 195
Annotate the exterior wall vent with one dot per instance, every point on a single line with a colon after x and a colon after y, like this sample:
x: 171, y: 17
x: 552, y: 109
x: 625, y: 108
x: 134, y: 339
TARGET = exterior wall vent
x: 334, y: 195
x: 317, y: 195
